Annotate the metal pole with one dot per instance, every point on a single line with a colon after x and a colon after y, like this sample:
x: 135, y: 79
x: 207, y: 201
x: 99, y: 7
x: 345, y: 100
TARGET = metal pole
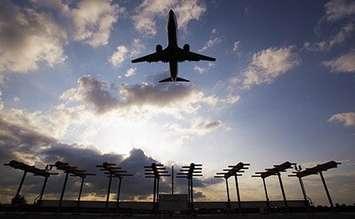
x: 237, y: 188
x: 192, y: 194
x: 63, y: 190
x: 303, y: 191
x: 80, y: 191
x: 326, y: 189
x: 157, y: 199
x: 108, y: 191
x: 118, y: 192
x: 282, y: 190
x: 188, y: 190
x: 21, y: 183
x: 42, y: 190
x: 172, y: 180
x: 227, y: 188
x: 266, y: 195
x: 154, y: 190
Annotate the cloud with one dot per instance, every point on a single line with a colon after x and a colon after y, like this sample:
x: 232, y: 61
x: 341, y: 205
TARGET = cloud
x: 21, y: 143
x: 130, y: 72
x: 147, y: 12
x: 347, y: 119
x: 93, y: 21
x: 1, y: 102
x: 52, y: 123
x: 210, y: 43
x: 33, y: 35
x: 122, y: 52
x: 344, y: 63
x: 236, y: 46
x: 136, y: 47
x: 198, y: 127
x: 88, y: 21
x: 92, y: 93
x: 338, y: 9
x: 28, y: 38
x: 188, y: 10
x: 269, y: 64
x: 344, y: 33
x: 119, y: 55
x: 98, y: 95
x: 199, y: 69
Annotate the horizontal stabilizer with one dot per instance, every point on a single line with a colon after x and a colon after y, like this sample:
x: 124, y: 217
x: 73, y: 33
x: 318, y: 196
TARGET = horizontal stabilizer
x: 182, y: 79
x: 166, y: 80
x: 171, y: 80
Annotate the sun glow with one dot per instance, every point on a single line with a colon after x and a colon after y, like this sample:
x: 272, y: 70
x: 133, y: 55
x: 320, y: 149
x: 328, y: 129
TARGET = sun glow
x: 110, y: 133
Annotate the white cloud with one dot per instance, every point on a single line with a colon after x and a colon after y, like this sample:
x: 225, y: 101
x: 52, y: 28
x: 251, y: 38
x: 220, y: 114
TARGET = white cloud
x: 347, y: 119
x: 93, y: 21
x: 197, y: 127
x: 136, y: 47
x: 52, y: 123
x: 344, y: 33
x: 338, y: 9
x: 89, y: 21
x: 1, y: 103
x: 17, y: 99
x: 269, y: 64
x: 147, y: 12
x: 236, y: 46
x: 210, y: 43
x: 122, y: 52
x: 130, y: 72
x: 188, y: 10
x: 199, y: 69
x: 119, y: 55
x: 344, y: 63
x: 28, y: 38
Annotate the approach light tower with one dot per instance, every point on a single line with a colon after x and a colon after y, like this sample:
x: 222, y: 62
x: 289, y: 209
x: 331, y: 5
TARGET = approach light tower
x: 188, y: 172
x: 235, y: 171
x: 30, y: 169
x: 113, y: 171
x: 276, y: 170
x: 155, y: 171
x: 72, y: 171
x: 314, y: 171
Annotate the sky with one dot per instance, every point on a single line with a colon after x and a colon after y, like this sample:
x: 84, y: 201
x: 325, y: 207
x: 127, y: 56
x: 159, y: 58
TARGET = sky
x: 281, y: 89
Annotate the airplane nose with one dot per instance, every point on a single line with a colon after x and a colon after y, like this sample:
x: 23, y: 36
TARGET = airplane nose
x: 171, y: 12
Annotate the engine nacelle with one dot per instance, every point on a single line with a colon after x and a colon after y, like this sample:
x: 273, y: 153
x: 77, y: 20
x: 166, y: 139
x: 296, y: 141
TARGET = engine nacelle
x: 158, y: 48
x: 187, y: 48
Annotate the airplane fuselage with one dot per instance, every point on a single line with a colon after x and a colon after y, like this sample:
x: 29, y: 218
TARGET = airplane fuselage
x: 172, y: 45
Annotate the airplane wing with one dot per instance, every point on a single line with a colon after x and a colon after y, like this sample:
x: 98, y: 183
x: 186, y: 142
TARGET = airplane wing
x: 191, y: 56
x: 154, y: 57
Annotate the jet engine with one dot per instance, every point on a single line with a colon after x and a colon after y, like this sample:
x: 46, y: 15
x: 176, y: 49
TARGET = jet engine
x: 158, y: 48
x: 187, y: 48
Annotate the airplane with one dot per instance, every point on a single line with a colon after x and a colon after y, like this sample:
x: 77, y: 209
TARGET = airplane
x: 173, y: 53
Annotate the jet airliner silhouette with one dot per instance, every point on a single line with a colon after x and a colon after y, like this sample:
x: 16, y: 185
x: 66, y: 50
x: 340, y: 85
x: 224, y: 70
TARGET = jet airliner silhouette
x: 173, y: 53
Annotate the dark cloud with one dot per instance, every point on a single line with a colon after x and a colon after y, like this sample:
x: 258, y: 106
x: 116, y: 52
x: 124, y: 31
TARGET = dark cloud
x: 20, y: 143
x: 93, y: 92
x: 208, y: 124
x: 98, y: 95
